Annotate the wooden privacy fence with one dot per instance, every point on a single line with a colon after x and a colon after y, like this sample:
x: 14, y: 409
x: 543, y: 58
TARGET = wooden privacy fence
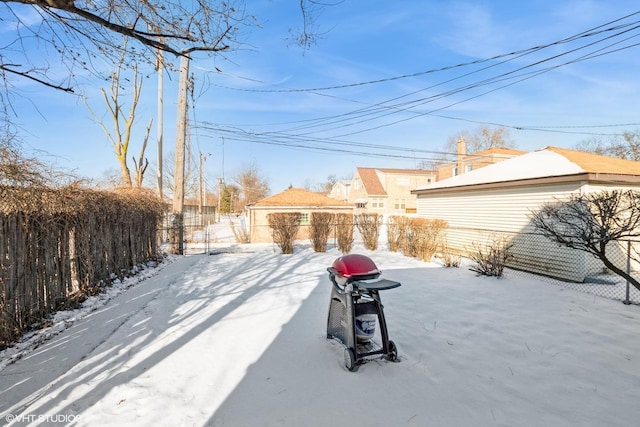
x: 59, y: 245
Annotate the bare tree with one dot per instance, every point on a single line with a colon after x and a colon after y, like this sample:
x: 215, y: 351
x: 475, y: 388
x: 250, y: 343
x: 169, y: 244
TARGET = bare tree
x: 252, y: 186
x: 16, y: 170
x: 141, y: 165
x: 624, y: 146
x: 590, y: 222
x: 631, y: 146
x: 19, y: 170
x: 190, y: 178
x: 309, y: 34
x: 82, y: 32
x: 321, y: 187
x: 480, y: 139
x: 123, y: 122
x: 595, y: 145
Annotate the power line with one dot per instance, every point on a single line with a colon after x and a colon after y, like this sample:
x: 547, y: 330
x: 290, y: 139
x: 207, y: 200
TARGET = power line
x: 527, y: 76
x: 385, y: 109
x: 293, y: 138
x: 382, y: 110
x: 517, y: 53
x: 279, y: 138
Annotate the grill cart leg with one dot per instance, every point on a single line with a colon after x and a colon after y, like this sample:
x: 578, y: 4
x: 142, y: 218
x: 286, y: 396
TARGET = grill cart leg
x: 392, y: 353
x: 350, y: 360
x: 389, y: 348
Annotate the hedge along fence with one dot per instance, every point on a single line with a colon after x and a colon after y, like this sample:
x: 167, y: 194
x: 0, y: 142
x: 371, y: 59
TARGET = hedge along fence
x: 320, y: 229
x: 368, y: 225
x: 322, y: 226
x: 57, y: 246
x: 284, y: 227
x: 415, y: 237
x: 344, y: 232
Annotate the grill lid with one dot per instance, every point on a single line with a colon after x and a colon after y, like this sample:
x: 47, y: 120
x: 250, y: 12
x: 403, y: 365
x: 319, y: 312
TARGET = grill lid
x: 354, y: 265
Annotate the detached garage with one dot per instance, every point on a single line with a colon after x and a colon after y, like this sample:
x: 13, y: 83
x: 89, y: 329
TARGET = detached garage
x: 291, y: 200
x: 497, y: 201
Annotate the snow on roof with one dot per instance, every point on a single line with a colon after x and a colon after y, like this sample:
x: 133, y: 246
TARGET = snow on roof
x: 546, y: 162
x: 298, y: 197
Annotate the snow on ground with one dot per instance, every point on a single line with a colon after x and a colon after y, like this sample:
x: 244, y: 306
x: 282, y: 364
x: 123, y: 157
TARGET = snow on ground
x: 239, y: 339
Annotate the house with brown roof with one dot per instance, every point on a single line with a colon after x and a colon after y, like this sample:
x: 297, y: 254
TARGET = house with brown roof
x: 500, y: 199
x: 465, y: 163
x: 291, y: 200
x: 387, y: 191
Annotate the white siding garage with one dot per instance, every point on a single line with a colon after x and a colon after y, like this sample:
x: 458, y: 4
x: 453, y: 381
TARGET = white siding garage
x: 498, y: 201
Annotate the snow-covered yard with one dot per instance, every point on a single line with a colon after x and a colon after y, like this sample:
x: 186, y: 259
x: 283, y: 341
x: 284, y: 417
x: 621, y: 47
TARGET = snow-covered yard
x: 239, y: 339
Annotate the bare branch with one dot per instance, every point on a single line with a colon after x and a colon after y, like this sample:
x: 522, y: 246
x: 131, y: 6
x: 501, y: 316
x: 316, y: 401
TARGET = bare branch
x: 83, y: 32
x: 590, y: 222
x: 7, y: 68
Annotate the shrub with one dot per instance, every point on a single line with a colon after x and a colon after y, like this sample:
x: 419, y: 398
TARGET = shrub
x: 344, y: 232
x: 319, y: 231
x: 429, y: 238
x: 449, y: 259
x: 410, y: 240
x: 491, y: 259
x: 241, y: 234
x: 284, y: 226
x: 369, y: 228
x: 396, y: 232
x: 420, y: 238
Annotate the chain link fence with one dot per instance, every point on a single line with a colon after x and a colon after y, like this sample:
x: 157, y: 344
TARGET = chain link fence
x: 203, y: 233
x: 529, y: 254
x: 597, y: 279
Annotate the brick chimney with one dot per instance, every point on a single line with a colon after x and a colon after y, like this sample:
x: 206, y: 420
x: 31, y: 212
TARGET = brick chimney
x: 461, y: 150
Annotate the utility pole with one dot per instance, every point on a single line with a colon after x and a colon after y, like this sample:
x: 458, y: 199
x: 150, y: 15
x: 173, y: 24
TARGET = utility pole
x: 202, y: 186
x: 204, y: 179
x: 200, y: 193
x: 160, y: 69
x: 177, y: 235
x: 219, y: 198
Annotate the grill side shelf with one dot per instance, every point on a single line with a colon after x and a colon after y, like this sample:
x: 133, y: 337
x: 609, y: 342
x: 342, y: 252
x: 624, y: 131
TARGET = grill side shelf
x: 377, y: 285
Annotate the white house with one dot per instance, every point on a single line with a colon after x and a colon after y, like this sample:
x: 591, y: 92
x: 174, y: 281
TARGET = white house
x: 340, y: 190
x: 498, y: 201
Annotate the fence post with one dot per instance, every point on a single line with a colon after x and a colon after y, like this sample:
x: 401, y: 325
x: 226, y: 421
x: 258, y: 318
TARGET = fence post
x: 206, y: 238
x: 176, y: 236
x: 626, y: 301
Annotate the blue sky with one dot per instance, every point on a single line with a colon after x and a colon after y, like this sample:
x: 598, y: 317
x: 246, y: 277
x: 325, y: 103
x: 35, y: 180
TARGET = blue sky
x: 385, y: 86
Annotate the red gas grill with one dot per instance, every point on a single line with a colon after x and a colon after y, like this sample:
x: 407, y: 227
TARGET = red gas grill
x: 354, y: 308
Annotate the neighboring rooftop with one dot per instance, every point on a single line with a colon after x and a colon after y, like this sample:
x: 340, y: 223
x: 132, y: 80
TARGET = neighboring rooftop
x: 498, y: 150
x: 371, y: 181
x: 543, y: 163
x: 405, y: 171
x: 299, y: 197
x: 594, y: 163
